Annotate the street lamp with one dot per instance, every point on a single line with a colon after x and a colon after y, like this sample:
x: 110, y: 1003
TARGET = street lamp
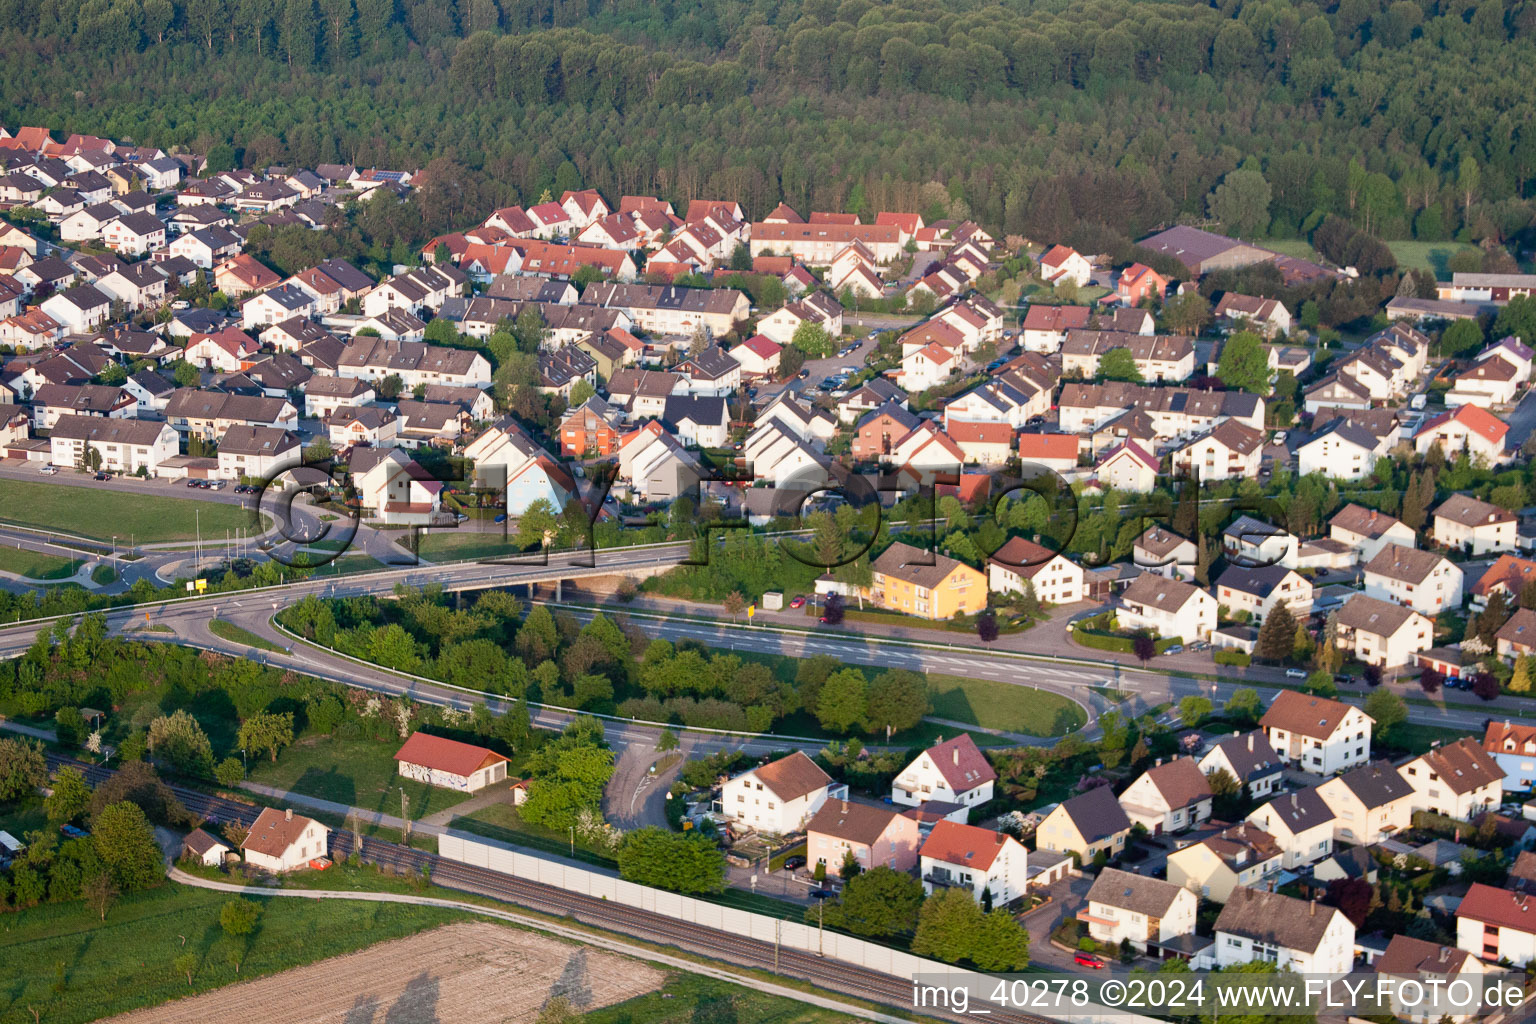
x: 820, y: 896
x: 573, y: 840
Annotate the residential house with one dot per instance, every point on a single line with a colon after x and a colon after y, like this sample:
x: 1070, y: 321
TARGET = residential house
x: 1054, y: 452
x: 777, y: 798
x: 1517, y: 637
x: 1249, y: 759
x: 1168, y: 608
x: 1062, y: 264
x: 818, y: 244
x: 1247, y: 312
x: 1410, y: 961
x: 1316, y: 734
x: 1342, y: 450
x: 1087, y: 824
x: 990, y: 864
x: 208, y: 414
x: 1476, y: 527
x: 414, y: 362
x: 592, y: 428
x: 104, y: 401
x: 438, y: 424
x: 1512, y: 745
x: 758, y: 356
x: 954, y: 771
x: 816, y: 308
x: 656, y: 466
x: 1301, y: 824
x: 1122, y: 907
x: 925, y: 584
x: 1128, y: 467
x: 1166, y: 553
x: 1383, y: 633
x: 276, y: 305
x: 1231, y: 450
x: 135, y: 285
x: 205, y: 246
x: 1139, y: 283
x: 1368, y: 531
x: 1459, y: 780
x: 1497, y: 924
x: 1045, y: 327
x: 393, y: 488
x: 710, y: 373
x: 205, y: 849
x: 1487, y: 382
x: 134, y: 234
x: 671, y: 310
x: 325, y: 395
x: 697, y: 421
x: 227, y: 351
x: 79, y: 310
x: 1169, y: 797
x: 1285, y: 931
x: 1369, y: 803
x: 280, y: 841
x: 242, y: 275
x: 1257, y: 590
x: 1055, y: 578
x: 1158, y: 357
x: 872, y: 835
x: 256, y: 453
x: 644, y: 392
x: 449, y: 764
x: 1422, y: 580
x: 1243, y: 856
x: 1253, y: 542
x: 1508, y: 576
x: 415, y: 290
x: 151, y: 392
x: 364, y: 424
x: 1469, y: 428
x: 122, y: 445
x: 985, y: 443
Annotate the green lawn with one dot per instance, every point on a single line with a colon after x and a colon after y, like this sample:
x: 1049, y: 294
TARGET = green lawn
x: 103, y: 575
x: 358, y: 773
x: 81, y: 969
x: 1298, y: 248
x: 37, y: 565
x: 103, y: 514
x: 1427, y: 255
x: 502, y: 823
x: 240, y: 635
x: 448, y: 545
x: 995, y: 705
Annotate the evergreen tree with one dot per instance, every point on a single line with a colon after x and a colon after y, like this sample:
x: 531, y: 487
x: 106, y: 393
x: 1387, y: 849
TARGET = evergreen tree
x: 1414, y: 512
x: 1277, y: 636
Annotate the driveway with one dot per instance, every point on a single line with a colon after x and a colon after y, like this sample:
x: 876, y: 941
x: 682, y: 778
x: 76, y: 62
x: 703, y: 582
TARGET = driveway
x: 636, y: 797
x: 1067, y: 898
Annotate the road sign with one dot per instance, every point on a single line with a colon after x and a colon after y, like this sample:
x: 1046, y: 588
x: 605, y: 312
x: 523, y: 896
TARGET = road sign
x: 751, y: 610
x: 202, y: 585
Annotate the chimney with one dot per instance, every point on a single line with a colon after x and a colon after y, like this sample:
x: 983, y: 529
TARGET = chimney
x: 288, y: 814
x: 956, y: 753
x: 1250, y: 743
x: 1312, y: 907
x: 1293, y: 801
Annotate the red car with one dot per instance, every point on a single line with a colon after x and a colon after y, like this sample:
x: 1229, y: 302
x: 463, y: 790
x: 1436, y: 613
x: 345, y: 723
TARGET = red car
x: 798, y: 602
x: 1089, y: 960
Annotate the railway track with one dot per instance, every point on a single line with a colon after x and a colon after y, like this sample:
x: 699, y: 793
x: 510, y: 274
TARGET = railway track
x: 834, y: 975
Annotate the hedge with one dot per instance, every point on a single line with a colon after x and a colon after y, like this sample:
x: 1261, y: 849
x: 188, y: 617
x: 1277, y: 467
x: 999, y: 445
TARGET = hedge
x: 1122, y: 644
x: 1228, y: 656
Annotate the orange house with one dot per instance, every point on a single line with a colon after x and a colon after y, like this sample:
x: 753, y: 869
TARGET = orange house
x: 583, y: 430
x: 1138, y: 282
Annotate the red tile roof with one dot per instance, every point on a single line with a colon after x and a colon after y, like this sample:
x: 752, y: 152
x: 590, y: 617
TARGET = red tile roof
x: 1474, y: 418
x: 1056, y: 318
x: 1499, y: 907
x: 962, y: 763
x: 1048, y: 446
x: 446, y: 755
x: 966, y: 845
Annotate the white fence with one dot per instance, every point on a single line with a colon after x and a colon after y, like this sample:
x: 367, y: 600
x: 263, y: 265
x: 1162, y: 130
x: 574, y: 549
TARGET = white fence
x: 790, y: 934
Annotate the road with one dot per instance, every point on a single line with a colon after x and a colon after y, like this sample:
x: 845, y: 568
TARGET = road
x: 738, y: 951
x: 1522, y: 422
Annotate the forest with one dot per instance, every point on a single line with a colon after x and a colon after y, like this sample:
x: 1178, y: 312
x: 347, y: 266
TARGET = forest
x: 1410, y: 118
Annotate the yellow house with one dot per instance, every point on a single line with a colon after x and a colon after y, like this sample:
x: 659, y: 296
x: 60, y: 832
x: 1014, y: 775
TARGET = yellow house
x: 925, y: 584
x: 1087, y: 824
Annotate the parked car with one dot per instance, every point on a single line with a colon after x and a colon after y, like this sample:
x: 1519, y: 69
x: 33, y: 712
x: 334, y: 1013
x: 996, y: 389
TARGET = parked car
x: 1088, y: 960
x: 103, y: 476
x: 798, y: 602
x: 794, y: 863
x: 1295, y: 673
x: 49, y: 470
x: 500, y: 518
x: 1175, y: 649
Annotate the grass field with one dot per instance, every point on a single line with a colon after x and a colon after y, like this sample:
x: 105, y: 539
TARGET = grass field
x: 81, y: 969
x: 502, y: 823
x: 1299, y: 248
x: 103, y: 514
x: 447, y: 546
x: 995, y: 705
x: 358, y: 773
x: 240, y: 635
x: 37, y: 565
x: 103, y: 575
x: 1427, y: 255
